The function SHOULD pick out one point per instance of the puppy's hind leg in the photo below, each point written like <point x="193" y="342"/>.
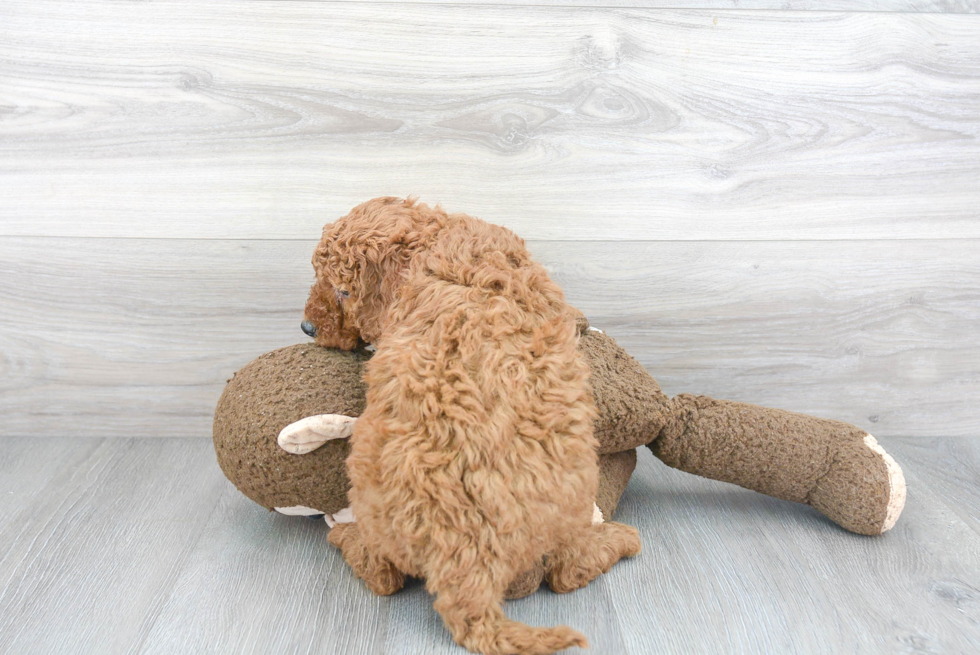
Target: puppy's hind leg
<point x="589" y="553"/>
<point x="378" y="574"/>
<point x="470" y="598"/>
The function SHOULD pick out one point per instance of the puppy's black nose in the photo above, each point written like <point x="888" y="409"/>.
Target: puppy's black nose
<point x="309" y="328"/>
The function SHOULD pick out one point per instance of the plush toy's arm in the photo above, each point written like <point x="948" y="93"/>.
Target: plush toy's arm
<point x="837" y="468"/>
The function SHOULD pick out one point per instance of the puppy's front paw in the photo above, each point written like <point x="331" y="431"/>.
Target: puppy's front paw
<point x="378" y="574"/>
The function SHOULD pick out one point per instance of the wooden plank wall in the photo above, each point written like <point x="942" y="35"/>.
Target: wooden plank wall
<point x="780" y="207"/>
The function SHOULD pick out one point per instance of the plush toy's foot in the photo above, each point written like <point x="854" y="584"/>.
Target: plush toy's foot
<point x="863" y="490"/>
<point x="308" y="434"/>
<point x="525" y="583"/>
<point x="378" y="574"/>
<point x="590" y="554"/>
<point x="299" y="510"/>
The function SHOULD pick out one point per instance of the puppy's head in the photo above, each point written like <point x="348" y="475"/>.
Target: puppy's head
<point x="324" y="320"/>
<point x="359" y="263"/>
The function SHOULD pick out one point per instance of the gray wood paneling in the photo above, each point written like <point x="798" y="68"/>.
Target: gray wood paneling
<point x="141" y="546"/>
<point x="129" y="337"/>
<point x="254" y="120"/>
<point x="882" y="335"/>
<point x="925" y="6"/>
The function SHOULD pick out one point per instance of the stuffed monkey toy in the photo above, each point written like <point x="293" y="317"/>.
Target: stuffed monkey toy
<point x="281" y="425"/>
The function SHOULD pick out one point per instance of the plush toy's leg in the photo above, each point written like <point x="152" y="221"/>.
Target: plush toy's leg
<point x="590" y="554"/>
<point x="378" y="574"/>
<point x="837" y="468"/>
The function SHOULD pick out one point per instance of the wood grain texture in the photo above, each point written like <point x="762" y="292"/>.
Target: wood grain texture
<point x="264" y="583"/>
<point x="128" y="337"/>
<point x="925" y="6"/>
<point x="726" y="570"/>
<point x="258" y="582"/>
<point x="881" y="335"/>
<point x="951" y="468"/>
<point x="262" y="119"/>
<point x="141" y="546"/>
<point x="91" y="549"/>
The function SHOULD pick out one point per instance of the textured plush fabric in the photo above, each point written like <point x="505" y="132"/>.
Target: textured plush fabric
<point x="615" y="470"/>
<point x="792" y="456"/>
<point x="632" y="408"/>
<point x="291" y="383"/>
<point x="828" y="464"/>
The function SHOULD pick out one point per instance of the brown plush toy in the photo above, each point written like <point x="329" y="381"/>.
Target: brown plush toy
<point x="281" y="424"/>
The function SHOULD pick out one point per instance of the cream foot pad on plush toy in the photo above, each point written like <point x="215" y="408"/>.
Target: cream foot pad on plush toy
<point x="896" y="484"/>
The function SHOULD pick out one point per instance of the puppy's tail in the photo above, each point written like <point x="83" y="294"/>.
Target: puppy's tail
<point x="475" y="618"/>
<point x="492" y="633"/>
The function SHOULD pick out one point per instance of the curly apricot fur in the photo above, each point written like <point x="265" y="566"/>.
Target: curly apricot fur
<point x="474" y="457"/>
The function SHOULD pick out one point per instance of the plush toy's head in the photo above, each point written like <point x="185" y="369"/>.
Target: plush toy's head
<point x="268" y="394"/>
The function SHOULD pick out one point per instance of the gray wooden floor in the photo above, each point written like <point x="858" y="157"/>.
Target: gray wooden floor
<point x="141" y="546"/>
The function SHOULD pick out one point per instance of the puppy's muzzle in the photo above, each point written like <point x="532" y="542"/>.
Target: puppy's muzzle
<point x="308" y="328"/>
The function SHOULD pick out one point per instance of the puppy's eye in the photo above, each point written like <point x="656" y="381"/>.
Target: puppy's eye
<point x="345" y="293"/>
<point x="341" y="294"/>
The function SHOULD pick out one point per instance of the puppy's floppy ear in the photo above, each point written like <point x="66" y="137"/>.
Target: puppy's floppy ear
<point x="344" y="253"/>
<point x="375" y="254"/>
<point x="371" y="247"/>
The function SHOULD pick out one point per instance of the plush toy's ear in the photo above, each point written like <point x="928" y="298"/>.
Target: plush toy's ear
<point x="308" y="434"/>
